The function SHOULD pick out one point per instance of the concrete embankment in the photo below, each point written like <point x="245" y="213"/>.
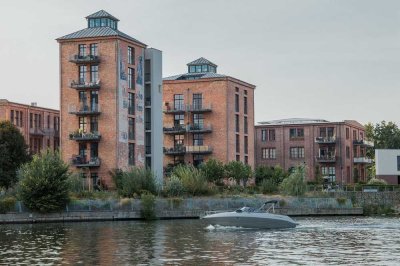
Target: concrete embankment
<point x="130" y="209"/>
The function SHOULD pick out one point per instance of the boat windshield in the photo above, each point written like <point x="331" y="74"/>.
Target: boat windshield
<point x="246" y="209"/>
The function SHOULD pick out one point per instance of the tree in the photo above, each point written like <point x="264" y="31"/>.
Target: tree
<point x="14" y="152"/>
<point x="385" y="135"/>
<point x="213" y="170"/>
<point x="238" y="171"/>
<point x="274" y="173"/>
<point x="43" y="184"/>
<point x="295" y="184"/>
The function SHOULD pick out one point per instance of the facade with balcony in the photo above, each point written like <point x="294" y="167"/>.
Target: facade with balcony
<point x="108" y="106"/>
<point x="206" y="115"/>
<point x="334" y="150"/>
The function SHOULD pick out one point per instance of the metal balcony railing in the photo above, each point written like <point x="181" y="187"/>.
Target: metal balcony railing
<point x="85" y="59"/>
<point x="81" y="161"/>
<point x="199" y="128"/>
<point x="199" y="108"/>
<point x="363" y="142"/>
<point x="81" y="85"/>
<point x="174" y="129"/>
<point x="199" y="149"/>
<point x="326" y="158"/>
<point x="37" y="131"/>
<point x="181" y="108"/>
<point x="325" y="140"/>
<point x="178" y="150"/>
<point x="84" y="109"/>
<point x="363" y="160"/>
<point x="83" y="136"/>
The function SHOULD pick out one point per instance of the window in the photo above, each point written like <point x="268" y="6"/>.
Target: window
<point x="94" y="74"/>
<point x="30" y="120"/>
<point x="131" y="103"/>
<point x="178" y="102"/>
<point x="82" y="50"/>
<point x="131" y="55"/>
<point x="12" y="117"/>
<point x="238" y="157"/>
<point x="236" y="89"/>
<point x="237" y="143"/>
<point x="179" y="120"/>
<point x="245" y="105"/>
<point x="237" y="127"/>
<point x="204" y="68"/>
<point x="197" y="159"/>
<point x="131" y="154"/>
<point x="268" y="153"/>
<point x="82" y="124"/>
<point x="39" y="120"/>
<point x="347" y="152"/>
<point x="82" y="74"/>
<point x="56" y="123"/>
<point x="236" y="102"/>
<point x="94" y="150"/>
<point x="48" y="121"/>
<point x="83" y="150"/>
<point x="131" y="128"/>
<point x="213" y="69"/>
<point x="197" y="139"/>
<point x="398" y="163"/>
<point x="94" y="124"/>
<point x="355" y="153"/>
<point x="246" y="144"/>
<point x="93" y="49"/>
<point x="296" y="133"/>
<point x="131" y="78"/>
<point x="179" y="141"/>
<point x="354" y="134"/>
<point x="21" y="114"/>
<point x="263" y="135"/>
<point x="296" y="152"/>
<point x="198" y="121"/>
<point x="347" y="133"/>
<point x="329" y="132"/>
<point x="197" y="101"/>
<point x="246" y="159"/>
<point x="198" y="69"/>
<point x="361" y="135"/>
<point x="192" y="69"/>
<point x="245" y="125"/>
<point x="271" y="134"/>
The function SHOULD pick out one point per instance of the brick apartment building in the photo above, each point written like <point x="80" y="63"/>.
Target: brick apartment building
<point x="111" y="98"/>
<point x="40" y="126"/>
<point x="207" y="114"/>
<point x="337" y="150"/>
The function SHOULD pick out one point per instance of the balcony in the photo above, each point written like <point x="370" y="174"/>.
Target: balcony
<point x="174" y="129"/>
<point x="178" y="150"/>
<point x="84" y="110"/>
<point x="81" y="136"/>
<point x="199" y="149"/>
<point x="325" y="140"/>
<point x="326" y="159"/>
<point x="85" y="59"/>
<point x="196" y="128"/>
<point x="84" y="85"/>
<point x="179" y="109"/>
<point x="81" y="162"/>
<point x="200" y="108"/>
<point x="363" y="160"/>
<point x="363" y="142"/>
<point x="37" y="131"/>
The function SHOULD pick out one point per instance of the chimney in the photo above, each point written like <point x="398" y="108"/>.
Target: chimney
<point x="33" y="103"/>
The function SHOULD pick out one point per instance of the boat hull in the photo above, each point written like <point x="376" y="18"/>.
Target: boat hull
<point x="251" y="220"/>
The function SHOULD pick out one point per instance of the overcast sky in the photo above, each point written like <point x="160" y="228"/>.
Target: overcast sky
<point x="325" y="59"/>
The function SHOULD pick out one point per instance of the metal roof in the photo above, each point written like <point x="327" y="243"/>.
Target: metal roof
<point x="98" y="32"/>
<point x="294" y="121"/>
<point x="201" y="61"/>
<point x="186" y="76"/>
<point x="102" y="14"/>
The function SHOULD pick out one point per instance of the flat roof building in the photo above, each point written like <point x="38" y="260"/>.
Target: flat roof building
<point x="387" y="164"/>
<point x="40" y="126"/>
<point x="206" y="115"/>
<point x="333" y="150"/>
<point x="111" y="98"/>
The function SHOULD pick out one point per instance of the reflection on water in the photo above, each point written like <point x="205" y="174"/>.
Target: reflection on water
<point x="316" y="241"/>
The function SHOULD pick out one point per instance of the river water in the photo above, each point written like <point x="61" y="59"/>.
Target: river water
<point x="316" y="241"/>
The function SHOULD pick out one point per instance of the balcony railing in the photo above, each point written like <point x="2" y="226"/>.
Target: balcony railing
<point x="82" y="136"/>
<point x="325" y="140"/>
<point x="199" y="149"/>
<point x="363" y="142"/>
<point x="80" y="161"/>
<point x="175" y="109"/>
<point x="85" y="59"/>
<point x="37" y="131"/>
<point x="199" y="108"/>
<point x="81" y="85"/>
<point x="178" y="150"/>
<point x="84" y="110"/>
<point x="326" y="159"/>
<point x="196" y="128"/>
<point x="362" y="160"/>
<point x="174" y="129"/>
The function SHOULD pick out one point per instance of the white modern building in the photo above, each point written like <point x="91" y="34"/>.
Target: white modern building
<point x="387" y="164"/>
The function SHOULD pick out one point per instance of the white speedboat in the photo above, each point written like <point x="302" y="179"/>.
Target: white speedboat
<point x="252" y="218"/>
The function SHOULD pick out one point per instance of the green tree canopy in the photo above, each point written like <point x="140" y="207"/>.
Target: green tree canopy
<point x="13" y="153"/>
<point x="386" y="135"/>
<point x="213" y="170"/>
<point x="238" y="171"/>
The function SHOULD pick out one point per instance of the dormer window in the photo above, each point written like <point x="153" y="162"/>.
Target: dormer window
<point x="102" y="22"/>
<point x="202" y="65"/>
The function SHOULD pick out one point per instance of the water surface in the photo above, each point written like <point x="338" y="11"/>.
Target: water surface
<point x="316" y="241"/>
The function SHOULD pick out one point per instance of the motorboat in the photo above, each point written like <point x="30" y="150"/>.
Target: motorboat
<point x="248" y="217"/>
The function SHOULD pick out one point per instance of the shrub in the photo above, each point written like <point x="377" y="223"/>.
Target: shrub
<point x="117" y="176"/>
<point x="192" y="179"/>
<point x="7" y="204"/>
<point x="238" y="171"/>
<point x="277" y="174"/>
<point x="135" y="181"/>
<point x="148" y="206"/>
<point x="377" y="182"/>
<point x="43" y="185"/>
<point x="268" y="186"/>
<point x="341" y="201"/>
<point x="75" y="183"/>
<point x="213" y="170"/>
<point x="295" y="184"/>
<point x="174" y="187"/>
